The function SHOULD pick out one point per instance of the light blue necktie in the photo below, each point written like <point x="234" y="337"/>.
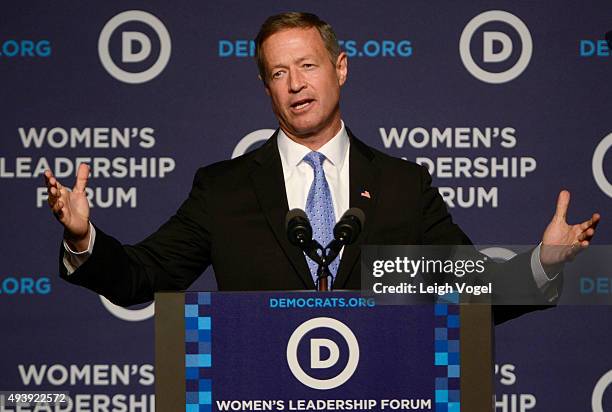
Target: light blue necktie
<point x="320" y="211"/>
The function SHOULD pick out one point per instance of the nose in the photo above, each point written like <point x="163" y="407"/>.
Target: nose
<point x="296" y="81"/>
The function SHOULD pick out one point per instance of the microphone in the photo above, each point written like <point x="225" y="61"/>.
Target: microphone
<point x="346" y="231"/>
<point x="299" y="233"/>
<point x="349" y="226"/>
<point x="298" y="228"/>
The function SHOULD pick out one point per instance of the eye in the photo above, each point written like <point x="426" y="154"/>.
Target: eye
<point x="277" y="74"/>
<point x="308" y="65"/>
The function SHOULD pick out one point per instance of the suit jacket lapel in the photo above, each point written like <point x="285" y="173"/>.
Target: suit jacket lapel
<point x="364" y="191"/>
<point x="269" y="186"/>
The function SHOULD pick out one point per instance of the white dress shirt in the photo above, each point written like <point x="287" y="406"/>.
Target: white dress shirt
<point x="299" y="174"/>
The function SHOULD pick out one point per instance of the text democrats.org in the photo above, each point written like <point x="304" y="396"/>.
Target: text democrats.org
<point x="331" y="302"/>
<point x="353" y="48"/>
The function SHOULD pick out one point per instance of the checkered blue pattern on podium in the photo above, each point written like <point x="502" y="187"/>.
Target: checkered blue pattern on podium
<point x="446" y="360"/>
<point x="198" y="352"/>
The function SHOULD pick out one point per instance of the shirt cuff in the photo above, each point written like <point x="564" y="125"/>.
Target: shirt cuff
<point x="72" y="260"/>
<point x="544" y="282"/>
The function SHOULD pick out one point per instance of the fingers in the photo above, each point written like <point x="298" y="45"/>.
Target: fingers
<point x="586" y="235"/>
<point x="562" y="205"/>
<point x="57" y="208"/>
<point x="48" y="175"/>
<point x="50" y="180"/>
<point x="596" y="218"/>
<point x="81" y="180"/>
<point x="592" y="222"/>
<point x="55" y="191"/>
<point x="52" y="189"/>
<point x="54" y="198"/>
<point x="587" y="229"/>
<point x="587" y="224"/>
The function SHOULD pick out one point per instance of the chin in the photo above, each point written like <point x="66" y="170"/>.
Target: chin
<point x="303" y="129"/>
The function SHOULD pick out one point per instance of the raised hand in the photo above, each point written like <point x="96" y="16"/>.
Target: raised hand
<point x="71" y="208"/>
<point x="561" y="242"/>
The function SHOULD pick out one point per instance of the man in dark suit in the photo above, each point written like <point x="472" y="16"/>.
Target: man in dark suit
<point x="234" y="215"/>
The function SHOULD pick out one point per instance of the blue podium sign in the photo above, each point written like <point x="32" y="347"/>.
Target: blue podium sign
<point x="317" y="352"/>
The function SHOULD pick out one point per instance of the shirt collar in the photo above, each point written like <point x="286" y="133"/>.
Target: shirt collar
<point x="292" y="153"/>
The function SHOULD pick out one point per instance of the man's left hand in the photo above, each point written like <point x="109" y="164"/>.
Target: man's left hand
<point x="561" y="242"/>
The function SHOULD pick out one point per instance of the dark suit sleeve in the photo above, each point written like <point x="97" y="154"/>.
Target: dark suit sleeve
<point x="169" y="259"/>
<point x="513" y="278"/>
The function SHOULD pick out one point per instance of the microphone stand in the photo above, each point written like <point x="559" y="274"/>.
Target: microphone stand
<point x="327" y="255"/>
<point x="349" y="224"/>
<point x="316" y="252"/>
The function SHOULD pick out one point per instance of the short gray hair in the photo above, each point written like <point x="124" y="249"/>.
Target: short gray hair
<point x="293" y="20"/>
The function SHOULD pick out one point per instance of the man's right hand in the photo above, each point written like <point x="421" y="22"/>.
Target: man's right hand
<point x="71" y="208"/>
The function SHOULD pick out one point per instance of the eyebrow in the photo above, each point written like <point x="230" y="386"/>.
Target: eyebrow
<point x="301" y="59"/>
<point x="298" y="61"/>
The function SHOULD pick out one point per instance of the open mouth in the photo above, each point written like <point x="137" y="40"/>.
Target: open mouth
<point x="302" y="104"/>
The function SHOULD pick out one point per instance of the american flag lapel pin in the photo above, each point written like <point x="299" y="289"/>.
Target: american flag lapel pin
<point x="366" y="194"/>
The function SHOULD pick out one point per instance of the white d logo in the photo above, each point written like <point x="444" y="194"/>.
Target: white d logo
<point x="129" y="40"/>
<point x="489" y="55"/>
<point x="598" y="162"/>
<point x="315" y="353"/>
<point x="598" y="392"/>
<point x="250" y="139"/>
<point x="131" y="315"/>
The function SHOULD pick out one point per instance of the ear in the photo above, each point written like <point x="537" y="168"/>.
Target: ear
<point x="342" y="68"/>
<point x="265" y="84"/>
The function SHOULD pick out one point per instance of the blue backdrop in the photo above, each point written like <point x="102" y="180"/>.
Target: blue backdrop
<point x="506" y="103"/>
